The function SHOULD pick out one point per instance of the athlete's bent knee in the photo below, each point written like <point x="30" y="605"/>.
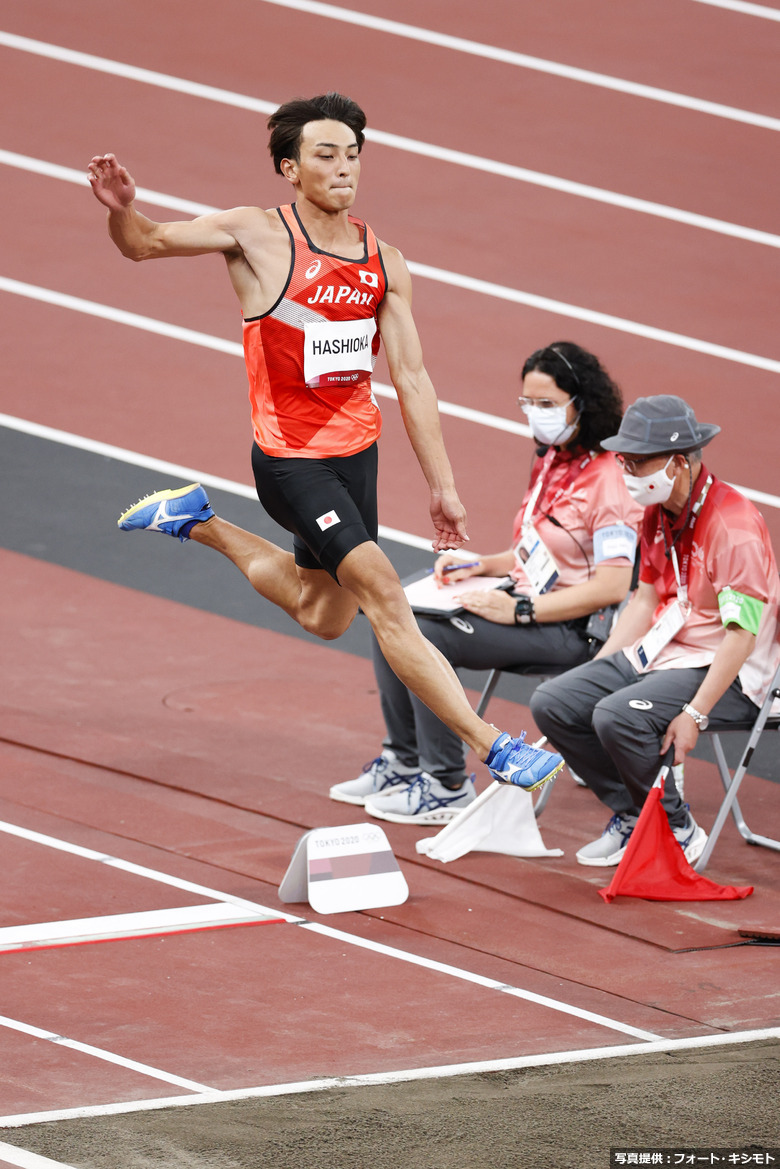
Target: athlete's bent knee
<point x="326" y="626"/>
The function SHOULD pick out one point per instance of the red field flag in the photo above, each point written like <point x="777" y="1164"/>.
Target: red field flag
<point x="654" y="866"/>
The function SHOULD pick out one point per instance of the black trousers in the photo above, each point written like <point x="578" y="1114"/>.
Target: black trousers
<point x="414" y="732"/>
<point x="608" y="722"/>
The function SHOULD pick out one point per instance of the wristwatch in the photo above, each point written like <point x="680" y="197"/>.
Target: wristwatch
<point x="524" y="611"/>
<point x="701" y="720"/>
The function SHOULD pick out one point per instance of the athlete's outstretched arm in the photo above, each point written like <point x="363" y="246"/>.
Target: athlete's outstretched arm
<point x="417" y="399"/>
<point x="140" y="238"/>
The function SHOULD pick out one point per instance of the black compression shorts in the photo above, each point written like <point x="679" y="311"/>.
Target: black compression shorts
<point x="329" y="505"/>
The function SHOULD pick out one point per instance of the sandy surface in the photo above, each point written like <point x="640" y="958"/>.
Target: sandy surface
<point x="562" y="1117"/>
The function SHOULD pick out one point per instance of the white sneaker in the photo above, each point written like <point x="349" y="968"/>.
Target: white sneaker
<point x="611" y="845"/>
<point x="691" y="839"/>
<point x="423" y="801"/>
<point x="382" y="776"/>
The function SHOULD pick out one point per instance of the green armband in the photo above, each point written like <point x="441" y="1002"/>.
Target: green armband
<point x="739" y="609"/>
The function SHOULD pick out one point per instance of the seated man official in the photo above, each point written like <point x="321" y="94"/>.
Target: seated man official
<point x="698" y="638"/>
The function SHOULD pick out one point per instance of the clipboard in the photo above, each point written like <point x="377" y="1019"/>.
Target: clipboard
<point x="426" y="598"/>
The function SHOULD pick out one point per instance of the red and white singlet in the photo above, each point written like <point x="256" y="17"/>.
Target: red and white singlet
<point x="309" y="358"/>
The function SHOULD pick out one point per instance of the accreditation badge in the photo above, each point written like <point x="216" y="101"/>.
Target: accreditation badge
<point x="666" y="627"/>
<point x="536" y="561"/>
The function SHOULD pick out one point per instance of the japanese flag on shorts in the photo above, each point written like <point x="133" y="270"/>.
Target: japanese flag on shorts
<point x="328" y="520"/>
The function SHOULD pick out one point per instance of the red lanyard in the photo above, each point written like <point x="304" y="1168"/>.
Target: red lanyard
<point x="685" y="537"/>
<point x="576" y="468"/>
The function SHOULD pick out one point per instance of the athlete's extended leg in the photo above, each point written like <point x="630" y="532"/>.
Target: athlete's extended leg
<point x="368" y="573"/>
<point x="314" y="599"/>
<point x="310" y="596"/>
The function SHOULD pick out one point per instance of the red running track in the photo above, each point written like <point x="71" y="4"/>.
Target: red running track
<point x="136" y="732"/>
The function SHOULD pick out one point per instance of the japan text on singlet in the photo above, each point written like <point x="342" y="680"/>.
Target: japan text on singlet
<point x="310" y="357"/>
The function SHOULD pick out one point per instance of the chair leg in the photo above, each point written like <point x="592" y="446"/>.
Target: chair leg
<point x="723" y="769"/>
<point x="730" y="803"/>
<point x="487" y="693"/>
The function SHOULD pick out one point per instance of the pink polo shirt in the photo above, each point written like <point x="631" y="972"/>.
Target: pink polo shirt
<point x="594" y="519"/>
<point x="732" y="577"/>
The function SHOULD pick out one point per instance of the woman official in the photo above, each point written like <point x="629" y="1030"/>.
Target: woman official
<point x="572" y="554"/>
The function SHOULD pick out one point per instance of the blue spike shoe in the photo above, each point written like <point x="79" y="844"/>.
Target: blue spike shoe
<point x="514" y="761"/>
<point x="173" y="512"/>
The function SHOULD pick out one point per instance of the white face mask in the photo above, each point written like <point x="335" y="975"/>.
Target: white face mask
<point x="549" y="426"/>
<point x="650" y="489"/>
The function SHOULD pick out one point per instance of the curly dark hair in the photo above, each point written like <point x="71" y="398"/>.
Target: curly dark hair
<point x="286" y="124"/>
<point x="581" y="375"/>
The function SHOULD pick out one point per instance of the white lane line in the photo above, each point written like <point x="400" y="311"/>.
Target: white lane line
<point x="605" y="320"/>
<point x="744" y="8"/>
<point x="191" y="474"/>
<point x="479" y="980"/>
<point x="524" y="61"/>
<point x="188" y="474"/>
<point x="579" y="190"/>
<point x="487" y="166"/>
<point x="68" y="174"/>
<point x="260" y="106"/>
<point x="99" y="1053"/>
<point x="479" y="417"/>
<point x="20" y="1157"/>
<point x="334" y="934"/>
<point x="116" y="926"/>
<point x="141" y="870"/>
<point x="458" y="158"/>
<point x="233" y="348"/>
<point x="445" y="1071"/>
<point x="442" y="276"/>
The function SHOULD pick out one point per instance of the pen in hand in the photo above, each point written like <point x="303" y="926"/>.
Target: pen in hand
<point x="456" y="567"/>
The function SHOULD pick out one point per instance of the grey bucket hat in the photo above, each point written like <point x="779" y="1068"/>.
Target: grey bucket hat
<point x="653" y="426"/>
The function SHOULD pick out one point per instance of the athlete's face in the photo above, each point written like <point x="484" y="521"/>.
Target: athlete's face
<point x="328" y="170"/>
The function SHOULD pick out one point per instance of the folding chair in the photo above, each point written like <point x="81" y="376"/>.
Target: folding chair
<point x="764" y="721"/>
<point x="731" y="783"/>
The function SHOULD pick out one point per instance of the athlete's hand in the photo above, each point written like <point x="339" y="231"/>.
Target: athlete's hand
<point x="111" y="183"/>
<point x="449" y="521"/>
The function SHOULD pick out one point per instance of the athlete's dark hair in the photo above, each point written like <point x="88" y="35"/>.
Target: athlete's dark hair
<point x="582" y="376"/>
<point x="286" y="124"/>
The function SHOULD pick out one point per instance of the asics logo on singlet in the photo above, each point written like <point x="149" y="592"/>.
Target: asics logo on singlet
<point x="161" y="516"/>
<point x="313" y="269"/>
